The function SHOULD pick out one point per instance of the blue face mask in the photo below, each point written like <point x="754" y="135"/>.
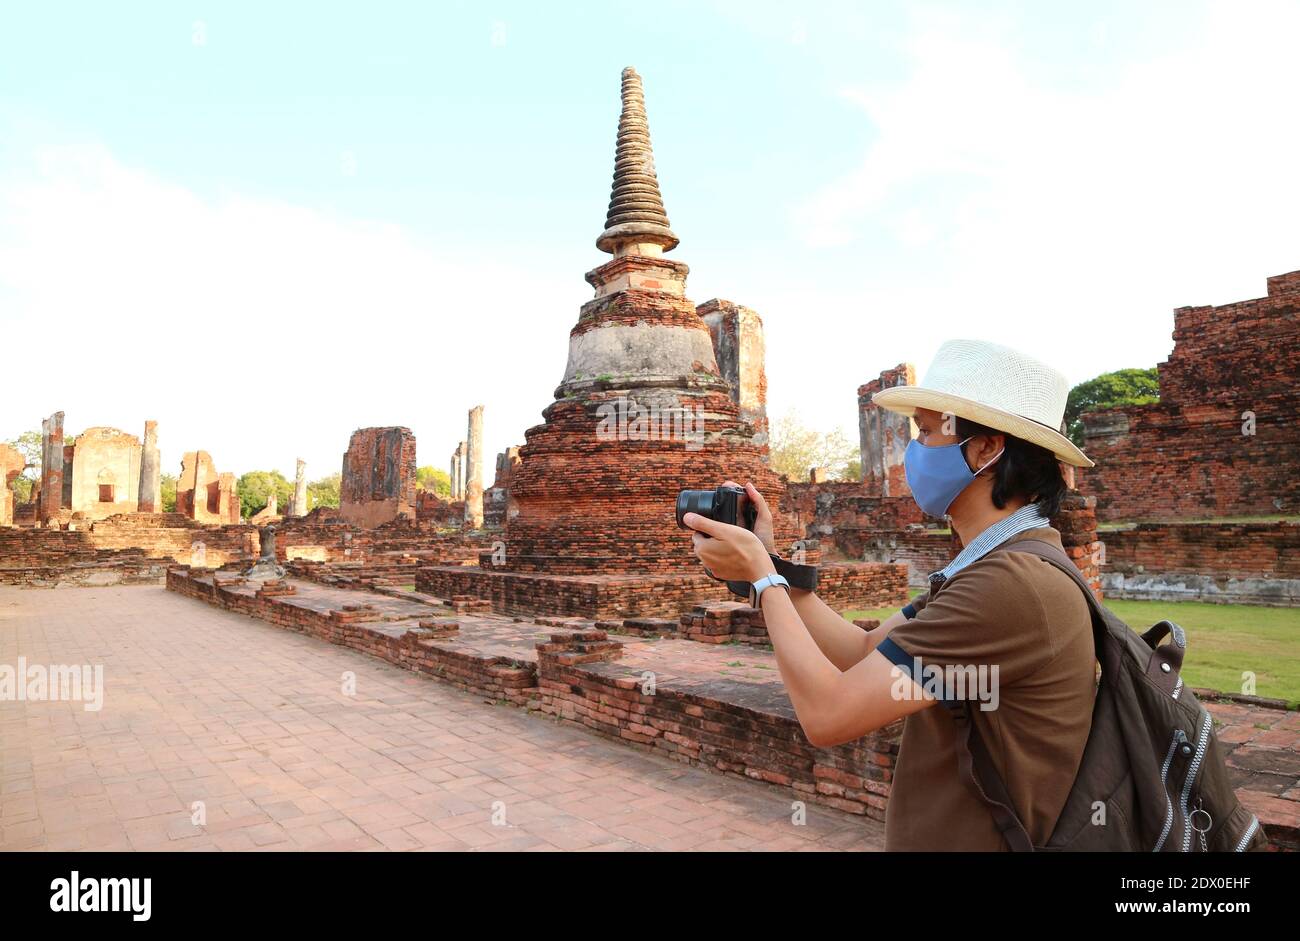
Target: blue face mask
<point x="938" y="474"/>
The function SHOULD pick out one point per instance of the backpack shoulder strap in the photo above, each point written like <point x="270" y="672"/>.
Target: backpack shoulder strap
<point x="974" y="762"/>
<point x="1053" y="554"/>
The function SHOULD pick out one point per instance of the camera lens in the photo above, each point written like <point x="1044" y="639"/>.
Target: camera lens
<point x="694" y="501"/>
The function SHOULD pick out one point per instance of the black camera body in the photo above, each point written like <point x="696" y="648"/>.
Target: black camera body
<point x="723" y="505"/>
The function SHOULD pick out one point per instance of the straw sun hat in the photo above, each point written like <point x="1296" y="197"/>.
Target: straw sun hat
<point x="994" y="386"/>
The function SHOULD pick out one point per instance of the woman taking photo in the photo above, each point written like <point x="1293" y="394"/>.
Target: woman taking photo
<point x="988" y="456"/>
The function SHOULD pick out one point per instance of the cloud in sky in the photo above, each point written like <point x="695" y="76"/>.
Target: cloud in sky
<point x="1071" y="210"/>
<point x="1055" y="180"/>
<point x="255" y="329"/>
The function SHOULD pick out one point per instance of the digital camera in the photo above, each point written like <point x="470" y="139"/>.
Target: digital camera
<point x="723" y="505"/>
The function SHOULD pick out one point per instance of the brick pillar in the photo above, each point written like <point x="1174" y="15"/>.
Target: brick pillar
<point x="1077" y="524"/>
<point x="455" y="473"/>
<point x="150" y="498"/>
<point x="738" y="346"/>
<point x="883" y="436"/>
<point x="300" y="489"/>
<point x="474" y="470"/>
<point x="51" y="466"/>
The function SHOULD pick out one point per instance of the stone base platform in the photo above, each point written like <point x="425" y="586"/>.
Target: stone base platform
<point x="841" y="585"/>
<point x="718" y="706"/>
<point x="715" y="706"/>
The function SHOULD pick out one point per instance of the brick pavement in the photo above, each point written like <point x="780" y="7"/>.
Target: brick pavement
<point x="207" y="705"/>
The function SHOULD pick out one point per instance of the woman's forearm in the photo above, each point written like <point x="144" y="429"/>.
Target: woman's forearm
<point x="843" y="644"/>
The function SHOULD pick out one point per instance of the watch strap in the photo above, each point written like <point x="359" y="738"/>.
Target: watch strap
<point x="766" y="582"/>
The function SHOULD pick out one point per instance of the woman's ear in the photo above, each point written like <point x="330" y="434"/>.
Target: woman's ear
<point x="986" y="448"/>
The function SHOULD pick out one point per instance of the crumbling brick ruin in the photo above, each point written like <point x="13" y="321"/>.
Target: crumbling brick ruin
<point x="497" y="505"/>
<point x="1223" y="439"/>
<point x="204" y="495"/>
<point x="884" y="435"/>
<point x="379" y="477"/>
<point x="12" y="463"/>
<point x="95" y="475"/>
<point x="104" y="473"/>
<point x="642" y="412"/>
<point x="737" y="336"/>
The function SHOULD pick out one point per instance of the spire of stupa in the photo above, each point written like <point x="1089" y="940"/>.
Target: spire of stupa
<point x="636" y="209"/>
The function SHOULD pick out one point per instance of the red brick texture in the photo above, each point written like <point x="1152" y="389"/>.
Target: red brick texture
<point x="379" y="476"/>
<point x="1233" y="370"/>
<point x="1222" y="550"/>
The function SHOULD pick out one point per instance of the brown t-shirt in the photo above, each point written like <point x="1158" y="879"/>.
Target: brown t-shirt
<point x="1018" y="612"/>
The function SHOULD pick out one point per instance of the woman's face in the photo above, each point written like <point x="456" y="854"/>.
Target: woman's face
<point x="934" y="428"/>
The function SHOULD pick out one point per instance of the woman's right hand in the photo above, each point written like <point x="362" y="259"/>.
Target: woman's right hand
<point x="763" y="518"/>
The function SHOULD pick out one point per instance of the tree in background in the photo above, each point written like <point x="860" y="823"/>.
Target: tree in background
<point x="1109" y="390"/>
<point x="28" y="444"/>
<point x="255" y="489"/>
<point x="324" y="492"/>
<point x="796" y="448"/>
<point x="167" y="486"/>
<point x="432" y="478"/>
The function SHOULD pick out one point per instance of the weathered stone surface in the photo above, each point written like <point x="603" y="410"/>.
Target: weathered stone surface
<point x="884" y="435"/>
<point x="498" y="506"/>
<point x="1223" y="440"/>
<point x="204" y="495"/>
<point x="12" y="463"/>
<point x="51" y="467"/>
<point x="300" y="490"/>
<point x="739" y="347"/>
<point x="636" y="221"/>
<point x="474" y="470"/>
<point x="379" y="476"/>
<point x="150" y="490"/>
<point x="105" y="472"/>
<point x="641" y="413"/>
<point x="266" y="566"/>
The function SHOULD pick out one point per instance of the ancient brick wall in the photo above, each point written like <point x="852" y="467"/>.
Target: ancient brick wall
<point x="104" y="475"/>
<point x="836" y="512"/>
<point x="203" y="494"/>
<point x="884" y="435"/>
<point x="49" y="556"/>
<point x="740" y="350"/>
<point x="12" y="464"/>
<point x="431" y="508"/>
<point x="1223" y="440"/>
<point x="1270" y="550"/>
<point x="379" y="476"/>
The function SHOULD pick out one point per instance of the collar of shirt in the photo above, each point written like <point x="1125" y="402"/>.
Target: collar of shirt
<point x="1026" y="518"/>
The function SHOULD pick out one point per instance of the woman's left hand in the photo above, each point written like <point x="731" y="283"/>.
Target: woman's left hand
<point x="731" y="553"/>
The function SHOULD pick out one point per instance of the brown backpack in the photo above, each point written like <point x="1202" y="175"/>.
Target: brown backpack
<point x="1152" y="761"/>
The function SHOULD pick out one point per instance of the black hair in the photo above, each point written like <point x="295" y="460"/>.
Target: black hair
<point x="1023" y="470"/>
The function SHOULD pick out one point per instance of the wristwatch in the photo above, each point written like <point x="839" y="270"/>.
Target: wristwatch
<point x="763" y="584"/>
<point x="793" y="574"/>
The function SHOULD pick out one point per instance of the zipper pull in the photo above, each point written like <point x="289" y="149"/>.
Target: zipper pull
<point x="1206" y="819"/>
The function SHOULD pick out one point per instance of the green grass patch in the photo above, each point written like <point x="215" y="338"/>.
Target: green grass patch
<point x="1113" y="525"/>
<point x="1223" y="642"/>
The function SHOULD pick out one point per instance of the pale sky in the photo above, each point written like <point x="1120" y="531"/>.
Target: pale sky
<point x="268" y="225"/>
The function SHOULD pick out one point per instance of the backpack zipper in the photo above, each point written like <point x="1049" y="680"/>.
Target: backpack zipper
<point x="1202" y="740"/>
<point x="1245" y="837"/>
<point x="1180" y="737"/>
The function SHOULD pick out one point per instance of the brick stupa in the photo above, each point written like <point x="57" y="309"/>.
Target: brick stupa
<point x="641" y="413"/>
